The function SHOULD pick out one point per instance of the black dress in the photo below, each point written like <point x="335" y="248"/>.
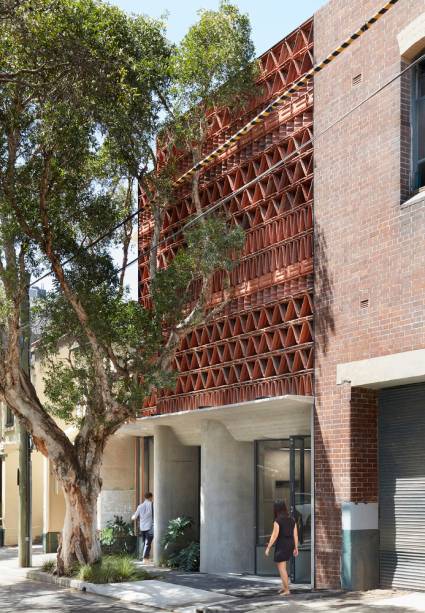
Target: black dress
<point x="285" y="544"/>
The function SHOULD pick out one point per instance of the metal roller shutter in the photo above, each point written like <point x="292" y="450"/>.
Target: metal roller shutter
<point x="402" y="487"/>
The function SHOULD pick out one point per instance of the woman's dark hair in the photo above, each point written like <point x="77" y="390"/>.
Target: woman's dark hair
<point x="280" y="510"/>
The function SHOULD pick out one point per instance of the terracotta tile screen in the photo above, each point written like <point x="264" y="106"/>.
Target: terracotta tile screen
<point x="261" y="345"/>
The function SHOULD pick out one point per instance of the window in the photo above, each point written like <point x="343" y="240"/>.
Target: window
<point x="419" y="125"/>
<point x="10" y="418"/>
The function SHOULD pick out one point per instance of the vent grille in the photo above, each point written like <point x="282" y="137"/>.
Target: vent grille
<point x="357" y="79"/>
<point x="364" y="304"/>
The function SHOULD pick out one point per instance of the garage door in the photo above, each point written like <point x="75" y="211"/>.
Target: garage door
<point x="402" y="487"/>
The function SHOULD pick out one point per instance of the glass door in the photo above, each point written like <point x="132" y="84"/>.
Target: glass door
<point x="272" y="484"/>
<point x="300" y="505"/>
<point x="283" y="473"/>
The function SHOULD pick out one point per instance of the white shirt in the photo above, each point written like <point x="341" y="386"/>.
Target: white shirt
<point x="145" y="513"/>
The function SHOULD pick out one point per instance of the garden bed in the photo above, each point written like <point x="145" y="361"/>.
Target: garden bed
<point x="111" y="569"/>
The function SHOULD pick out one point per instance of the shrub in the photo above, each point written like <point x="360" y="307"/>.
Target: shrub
<point x="48" y="566"/>
<point x="176" y="531"/>
<point x="178" y="552"/>
<point x="186" y="559"/>
<point x="112" y="569"/>
<point x="118" y="536"/>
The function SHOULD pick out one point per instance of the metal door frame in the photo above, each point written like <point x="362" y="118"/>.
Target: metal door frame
<point x="292" y="480"/>
<point x="291" y="448"/>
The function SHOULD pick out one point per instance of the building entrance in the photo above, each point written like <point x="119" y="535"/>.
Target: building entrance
<point x="283" y="472"/>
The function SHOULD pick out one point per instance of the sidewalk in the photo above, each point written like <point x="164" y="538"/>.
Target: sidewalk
<point x="180" y="592"/>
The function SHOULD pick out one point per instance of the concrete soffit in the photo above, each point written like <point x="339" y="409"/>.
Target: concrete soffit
<point x="384" y="371"/>
<point x="266" y="418"/>
<point x="411" y="39"/>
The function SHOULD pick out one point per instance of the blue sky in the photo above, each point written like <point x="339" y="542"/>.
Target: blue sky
<point x="271" y="20"/>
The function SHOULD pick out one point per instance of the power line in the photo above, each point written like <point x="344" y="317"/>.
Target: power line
<point x="93" y="243"/>
<point x="277" y="102"/>
<point x="270" y="170"/>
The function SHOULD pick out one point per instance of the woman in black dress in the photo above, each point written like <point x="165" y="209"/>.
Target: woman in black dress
<point x="285" y="539"/>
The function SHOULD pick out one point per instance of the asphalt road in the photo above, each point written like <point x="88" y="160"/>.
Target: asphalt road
<point x="31" y="596"/>
<point x="18" y="594"/>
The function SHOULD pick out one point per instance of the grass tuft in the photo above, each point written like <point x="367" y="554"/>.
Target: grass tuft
<point x="48" y="566"/>
<point x="112" y="569"/>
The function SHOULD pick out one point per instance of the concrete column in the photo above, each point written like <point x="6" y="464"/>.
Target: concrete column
<point x="176" y="483"/>
<point x="227" y="502"/>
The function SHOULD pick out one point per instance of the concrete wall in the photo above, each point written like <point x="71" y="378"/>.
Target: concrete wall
<point x="118" y="496"/>
<point x="227" y="502"/>
<point x="369" y="250"/>
<point x="176" y="478"/>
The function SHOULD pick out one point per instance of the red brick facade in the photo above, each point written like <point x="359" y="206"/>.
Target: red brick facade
<point x="369" y="252"/>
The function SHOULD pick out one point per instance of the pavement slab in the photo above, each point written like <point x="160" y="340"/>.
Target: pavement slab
<point x="20" y="595"/>
<point x="151" y="592"/>
<point x="177" y="592"/>
<point x="35" y="597"/>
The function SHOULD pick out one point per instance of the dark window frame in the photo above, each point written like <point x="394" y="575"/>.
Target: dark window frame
<point x="10" y="418"/>
<point x="418" y="131"/>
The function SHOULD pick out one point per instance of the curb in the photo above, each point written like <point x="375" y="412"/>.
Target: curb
<point x="76" y="584"/>
<point x="93" y="588"/>
<point x="296" y="597"/>
<point x="39" y="575"/>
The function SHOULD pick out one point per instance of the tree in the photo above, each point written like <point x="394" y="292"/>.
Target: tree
<point x="85" y="93"/>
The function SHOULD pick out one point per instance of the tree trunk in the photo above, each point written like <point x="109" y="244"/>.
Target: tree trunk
<point x="80" y="541"/>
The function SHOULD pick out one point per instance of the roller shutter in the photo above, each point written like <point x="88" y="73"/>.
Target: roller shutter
<point x="402" y="487"/>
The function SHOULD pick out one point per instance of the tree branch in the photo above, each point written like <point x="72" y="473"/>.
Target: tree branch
<point x="98" y="351"/>
<point x="20" y="395"/>
<point x="128" y="231"/>
<point x="14" y="77"/>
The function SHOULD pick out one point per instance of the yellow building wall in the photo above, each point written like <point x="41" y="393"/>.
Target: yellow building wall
<point x="10" y="495"/>
<point x="118" y="496"/>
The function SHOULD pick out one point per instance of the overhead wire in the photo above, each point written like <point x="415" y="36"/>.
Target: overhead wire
<point x="235" y="137"/>
<point x="274" y="167"/>
<point x="288" y="92"/>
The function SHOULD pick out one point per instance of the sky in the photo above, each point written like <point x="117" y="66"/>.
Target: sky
<point x="271" y="20"/>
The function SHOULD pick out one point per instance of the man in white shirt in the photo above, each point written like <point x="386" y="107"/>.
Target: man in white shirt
<point x="145" y="514"/>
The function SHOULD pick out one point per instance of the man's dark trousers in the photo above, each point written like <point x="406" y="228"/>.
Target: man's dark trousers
<point x="147" y="538"/>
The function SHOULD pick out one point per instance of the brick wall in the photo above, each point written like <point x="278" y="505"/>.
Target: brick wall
<point x="369" y="252"/>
